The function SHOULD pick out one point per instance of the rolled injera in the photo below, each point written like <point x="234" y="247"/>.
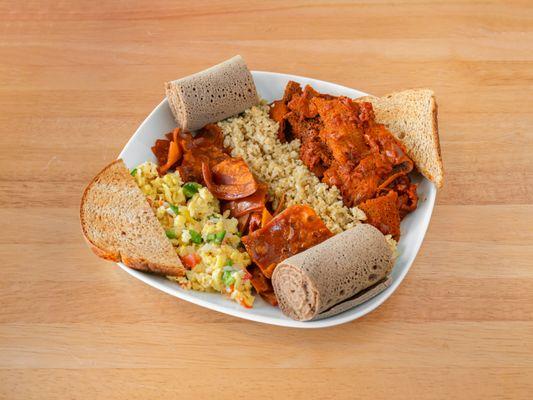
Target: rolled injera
<point x="325" y="279"/>
<point x="212" y="95"/>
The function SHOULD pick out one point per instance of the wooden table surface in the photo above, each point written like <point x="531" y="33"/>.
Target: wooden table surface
<point x="77" y="79"/>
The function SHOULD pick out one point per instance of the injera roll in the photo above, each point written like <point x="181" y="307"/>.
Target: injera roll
<point x="212" y="95"/>
<point x="314" y="283"/>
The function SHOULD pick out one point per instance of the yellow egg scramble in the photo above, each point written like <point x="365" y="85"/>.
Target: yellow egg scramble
<point x="207" y="241"/>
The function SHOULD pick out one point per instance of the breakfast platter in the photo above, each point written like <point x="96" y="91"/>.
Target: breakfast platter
<point x="270" y="197"/>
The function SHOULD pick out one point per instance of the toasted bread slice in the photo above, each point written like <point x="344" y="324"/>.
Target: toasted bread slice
<point x="119" y="224"/>
<point x="411" y="115"/>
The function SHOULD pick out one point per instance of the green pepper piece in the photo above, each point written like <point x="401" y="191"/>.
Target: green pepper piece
<point x="227" y="277"/>
<point x="229" y="262"/>
<point x="210" y="237"/>
<point x="190" y="188"/>
<point x="133" y="172"/>
<point x="219" y="237"/>
<point x="175" y="209"/>
<point x="170" y="234"/>
<point x="195" y="236"/>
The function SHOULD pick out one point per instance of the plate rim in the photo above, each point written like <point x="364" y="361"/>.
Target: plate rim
<point x="247" y="314"/>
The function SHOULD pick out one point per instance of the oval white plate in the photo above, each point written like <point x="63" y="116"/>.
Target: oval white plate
<point x="270" y="87"/>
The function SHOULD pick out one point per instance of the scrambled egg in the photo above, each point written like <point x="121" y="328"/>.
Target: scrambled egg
<point x="207" y="241"/>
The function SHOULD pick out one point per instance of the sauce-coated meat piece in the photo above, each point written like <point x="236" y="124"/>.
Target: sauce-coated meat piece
<point x="303" y="105"/>
<point x="245" y="205"/>
<point x="279" y="110"/>
<point x="207" y="146"/>
<point x="314" y="153"/>
<point x="316" y="156"/>
<point x="343" y="131"/>
<point x="262" y="285"/>
<point x="230" y="179"/>
<point x="294" y="230"/>
<point x="382" y="212"/>
<point x="407" y="197"/>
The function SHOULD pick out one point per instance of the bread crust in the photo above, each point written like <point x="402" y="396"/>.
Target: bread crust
<point x="105" y="254"/>
<point x="147" y="266"/>
<point x="102" y="253"/>
<point x="439" y="180"/>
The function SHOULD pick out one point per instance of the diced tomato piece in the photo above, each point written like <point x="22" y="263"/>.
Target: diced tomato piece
<point x="190" y="260"/>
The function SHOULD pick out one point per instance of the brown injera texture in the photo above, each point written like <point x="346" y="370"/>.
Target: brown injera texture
<point x="317" y="280"/>
<point x="212" y="95"/>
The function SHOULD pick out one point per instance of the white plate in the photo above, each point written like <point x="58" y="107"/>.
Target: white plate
<point x="270" y="87"/>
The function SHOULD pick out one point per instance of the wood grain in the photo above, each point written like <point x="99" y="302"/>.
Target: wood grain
<point x="77" y="78"/>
